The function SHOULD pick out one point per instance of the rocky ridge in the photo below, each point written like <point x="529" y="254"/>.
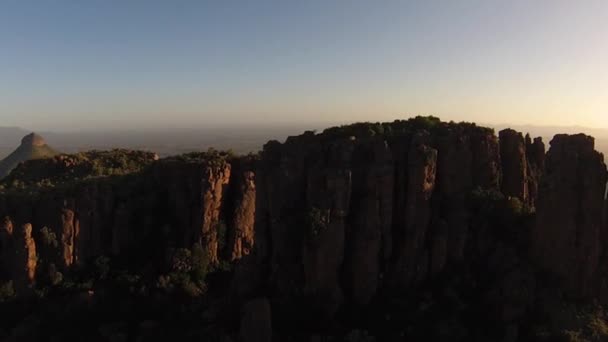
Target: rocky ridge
<point x="333" y="226"/>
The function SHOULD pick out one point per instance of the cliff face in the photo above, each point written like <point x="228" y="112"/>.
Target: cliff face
<point x="341" y="219"/>
<point x="569" y="234"/>
<point x="514" y="164"/>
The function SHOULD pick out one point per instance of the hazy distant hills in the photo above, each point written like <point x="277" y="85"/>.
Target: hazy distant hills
<point x="33" y="146"/>
<point x="9" y="139"/>
<point x="239" y="139"/>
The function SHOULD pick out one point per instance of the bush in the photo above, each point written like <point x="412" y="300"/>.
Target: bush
<point x="317" y="221"/>
<point x="102" y="267"/>
<point x="55" y="276"/>
<point x="7" y="291"/>
<point x="200" y="264"/>
<point x="181" y="261"/>
<point x="575" y="323"/>
<point x="189" y="268"/>
<point x="49" y="238"/>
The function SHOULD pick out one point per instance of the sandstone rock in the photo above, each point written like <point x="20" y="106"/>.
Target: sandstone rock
<point x="242" y="237"/>
<point x="535" y="154"/>
<point x="454" y="184"/>
<point x="486" y="160"/>
<point x="567" y="238"/>
<point x="195" y="191"/>
<point x="514" y="164"/>
<point x="25" y="259"/>
<point x="214" y="180"/>
<point x="421" y="173"/>
<point x="370" y="219"/>
<point x="68" y="235"/>
<point x="333" y="221"/>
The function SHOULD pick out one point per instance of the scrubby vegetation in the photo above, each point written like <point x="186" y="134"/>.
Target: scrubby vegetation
<point x="210" y="157"/>
<point x="71" y="168"/>
<point x="430" y="124"/>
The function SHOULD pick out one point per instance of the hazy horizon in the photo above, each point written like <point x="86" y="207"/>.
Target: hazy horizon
<point x="240" y="139"/>
<point x="114" y="65"/>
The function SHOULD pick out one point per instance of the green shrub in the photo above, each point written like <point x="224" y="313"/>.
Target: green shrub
<point x="181" y="261"/>
<point x="7" y="291"/>
<point x="200" y="264"/>
<point x="189" y="268"/>
<point x="49" y="238"/>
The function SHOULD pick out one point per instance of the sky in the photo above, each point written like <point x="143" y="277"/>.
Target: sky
<point x="110" y="64"/>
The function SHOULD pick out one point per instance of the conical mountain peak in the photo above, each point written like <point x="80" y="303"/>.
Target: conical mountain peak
<point x="33" y="139"/>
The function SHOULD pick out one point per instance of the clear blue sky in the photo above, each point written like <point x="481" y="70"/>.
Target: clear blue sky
<point x="176" y="63"/>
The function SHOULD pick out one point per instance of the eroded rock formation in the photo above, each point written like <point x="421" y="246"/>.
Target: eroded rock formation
<point x="514" y="164"/>
<point x="342" y="219"/>
<point x="568" y="237"/>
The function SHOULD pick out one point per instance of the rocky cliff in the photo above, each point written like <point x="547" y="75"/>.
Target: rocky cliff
<point x="339" y="225"/>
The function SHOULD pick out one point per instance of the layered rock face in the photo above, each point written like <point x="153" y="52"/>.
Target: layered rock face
<point x="352" y="214"/>
<point x="570" y="231"/>
<point x="523" y="164"/>
<point x="172" y="204"/>
<point x="535" y="154"/>
<point x="19" y="257"/>
<point x="342" y="219"/>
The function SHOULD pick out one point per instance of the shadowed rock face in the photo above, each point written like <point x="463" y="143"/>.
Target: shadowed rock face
<point x="514" y="164"/>
<point x="523" y="164"/>
<point x="568" y="236"/>
<point x="19" y="258"/>
<point x="535" y="154"/>
<point x="345" y="218"/>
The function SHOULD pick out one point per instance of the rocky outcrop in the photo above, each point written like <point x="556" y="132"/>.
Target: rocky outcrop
<point x="340" y="221"/>
<point x="535" y="154"/>
<point x="369" y="237"/>
<point x="214" y="181"/>
<point x="18" y="252"/>
<point x="486" y="159"/>
<point x="25" y="248"/>
<point x="242" y="232"/>
<point x="69" y="234"/>
<point x="194" y="191"/>
<point x="568" y="236"/>
<point x="514" y="164"/>
<point x="411" y="253"/>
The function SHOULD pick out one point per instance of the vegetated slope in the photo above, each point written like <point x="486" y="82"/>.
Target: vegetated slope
<point x="416" y="230"/>
<point x="32" y="146"/>
<point x="62" y="169"/>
